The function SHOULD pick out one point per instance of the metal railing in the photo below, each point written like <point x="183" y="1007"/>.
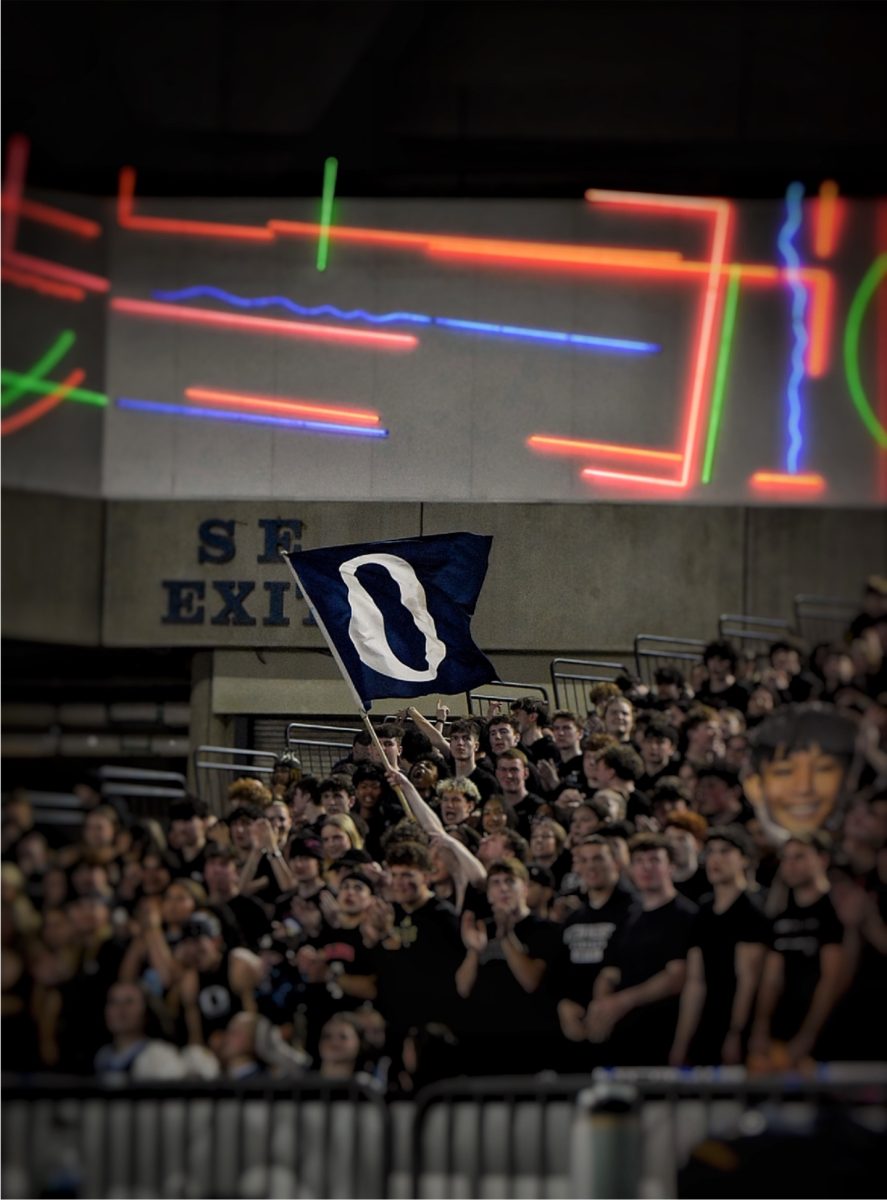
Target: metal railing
<point x="215" y="767"/>
<point x="319" y="746"/>
<point x="571" y="687"/>
<point x="823" y="618"/>
<point x="147" y="793"/>
<point x="481" y="701"/>
<point x="652" y="651"/>
<point x="614" y="1133"/>
<point x="754" y="635"/>
<point x="307" y="1137"/>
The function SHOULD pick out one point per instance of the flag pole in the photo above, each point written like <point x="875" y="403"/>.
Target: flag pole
<point x="364" y="715"/>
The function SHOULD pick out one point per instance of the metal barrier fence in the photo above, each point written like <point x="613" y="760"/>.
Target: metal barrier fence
<point x="571" y="687"/>
<point x="319" y="746"/>
<point x="652" y="652"/>
<point x="147" y="793"/>
<point x="753" y="634"/>
<point x="214" y="771"/>
<point x="308" y="1137"/>
<point x="480" y="702"/>
<point x="614" y="1133"/>
<point x="823" y="618"/>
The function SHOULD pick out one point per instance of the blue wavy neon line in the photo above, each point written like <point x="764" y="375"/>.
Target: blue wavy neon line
<point x="793" y="218"/>
<point x="519" y="332"/>
<point x="321" y="310"/>
<point x="182" y="410"/>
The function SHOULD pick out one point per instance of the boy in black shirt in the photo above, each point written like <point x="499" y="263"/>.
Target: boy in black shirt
<point x="804" y="970"/>
<point x="507" y="1021"/>
<point x="728" y="945"/>
<point x="587" y="932"/>
<point x="635" y="1004"/>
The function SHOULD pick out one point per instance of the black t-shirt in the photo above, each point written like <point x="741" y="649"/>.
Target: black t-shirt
<point x="179" y="868"/>
<point x="543" y="747"/>
<point x="498" y="1004"/>
<point x="244" y="921"/>
<point x="344" y="950"/>
<point x="485" y="782"/>
<point x="527" y="810"/>
<point x="717" y="935"/>
<point x="642" y="946"/>
<point x="735" y="696"/>
<point x="799" y="933"/>
<point x="695" y="887"/>
<point x="417" y="978"/>
<point x="585" y="935"/>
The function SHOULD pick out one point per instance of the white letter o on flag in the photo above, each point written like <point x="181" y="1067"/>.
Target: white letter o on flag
<point x="367" y="625"/>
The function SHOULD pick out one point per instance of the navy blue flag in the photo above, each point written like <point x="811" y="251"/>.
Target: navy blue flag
<point x="397" y="614"/>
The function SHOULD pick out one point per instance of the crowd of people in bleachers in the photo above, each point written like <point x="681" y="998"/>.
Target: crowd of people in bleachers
<point x="689" y="873"/>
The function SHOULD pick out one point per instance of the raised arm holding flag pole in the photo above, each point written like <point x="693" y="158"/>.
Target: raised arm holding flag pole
<point x="396" y="615"/>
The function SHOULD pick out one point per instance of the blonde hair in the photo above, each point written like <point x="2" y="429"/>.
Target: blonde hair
<point x="344" y="822"/>
<point x="460" y="784"/>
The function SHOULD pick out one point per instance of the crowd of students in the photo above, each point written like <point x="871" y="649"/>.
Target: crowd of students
<point x="689" y="873"/>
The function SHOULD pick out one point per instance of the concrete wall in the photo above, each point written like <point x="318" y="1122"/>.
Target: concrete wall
<point x="563" y="579"/>
<point x="52" y="568"/>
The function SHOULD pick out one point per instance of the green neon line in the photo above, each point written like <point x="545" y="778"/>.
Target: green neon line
<point x="720" y="388"/>
<point x="42" y="367"/>
<point x="330" y="167"/>
<point x="43" y="387"/>
<point x="852" y="330"/>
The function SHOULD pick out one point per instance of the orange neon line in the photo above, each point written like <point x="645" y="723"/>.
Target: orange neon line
<point x="46" y="287"/>
<point x="43" y="266"/>
<point x="625" y="477"/>
<point x="46" y="214"/>
<point x="350" y="233"/>
<point x="13" y="187"/>
<point x="558" y="445"/>
<point x="776" y="479"/>
<point x="649" y="200"/>
<point x="495" y="248"/>
<point x="221" y="320"/>
<point x="723" y="223"/>
<point x="129" y="220"/>
<point x="716" y="269"/>
<point x="298" y="408"/>
<point x="34" y="412"/>
<point x="825" y="233"/>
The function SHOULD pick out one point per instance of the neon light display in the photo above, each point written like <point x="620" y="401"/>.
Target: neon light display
<point x="297" y="329"/>
<point x="42" y="388"/>
<point x="43" y="266"/>
<point x="40" y="408"/>
<point x="793" y="218"/>
<point x="667" y="414"/>
<point x="861" y="300"/>
<point x="42" y="367"/>
<point x="13" y="188"/>
<point x="775" y="481"/>
<point x="573" y="446"/>
<point x="721" y="213"/>
<point x="282" y="406"/>
<point x="46" y="214"/>
<point x="129" y="220"/>
<point x="45" y="287"/>
<point x="825" y="229"/>
<point x="249" y="418"/>
<point x="717" y="401"/>
<point x="520" y="332"/>
<point x="330" y="167"/>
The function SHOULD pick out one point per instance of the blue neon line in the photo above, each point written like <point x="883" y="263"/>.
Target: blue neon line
<point x="321" y="310"/>
<point x="518" y="332"/>
<point x="550" y="335"/>
<point x="793" y="218"/>
<point x="182" y="410"/>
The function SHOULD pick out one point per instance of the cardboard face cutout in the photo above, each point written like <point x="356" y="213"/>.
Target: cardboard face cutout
<point x="802" y="756"/>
